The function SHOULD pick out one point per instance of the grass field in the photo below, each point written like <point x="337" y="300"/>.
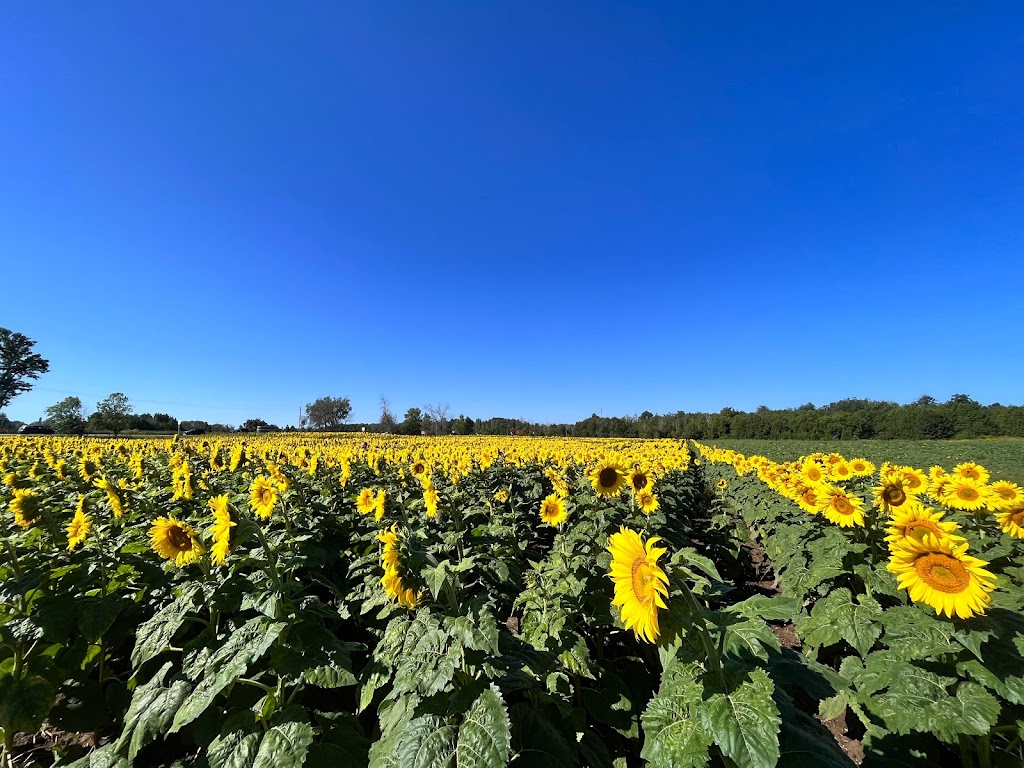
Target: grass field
<point x="1002" y="456"/>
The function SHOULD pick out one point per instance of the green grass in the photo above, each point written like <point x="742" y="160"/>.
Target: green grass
<point x="1002" y="456"/>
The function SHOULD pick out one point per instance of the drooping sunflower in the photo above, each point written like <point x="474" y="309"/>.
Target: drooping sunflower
<point x="843" y="508"/>
<point x="647" y="501"/>
<point x="963" y="493"/>
<point x="940" y="573"/>
<point x="113" y="495"/>
<point x="1012" y="521"/>
<point x="263" y="496"/>
<point x="80" y="525"/>
<point x="365" y="501"/>
<point x="24" y="505"/>
<point x="558" y="483"/>
<point x="552" y="510"/>
<point x="175" y="540"/>
<point x="968" y="470"/>
<point x="430" y="500"/>
<point x="379" y="505"/>
<point x="915" y="521"/>
<point x="395" y="579"/>
<point x="640" y="480"/>
<point x="608" y="478"/>
<point x="220" y="531"/>
<point x="641" y="586"/>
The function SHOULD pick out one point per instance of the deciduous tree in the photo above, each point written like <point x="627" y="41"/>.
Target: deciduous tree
<point x="114" y="412"/>
<point x="67" y="416"/>
<point x="328" y="412"/>
<point x="18" y="364"/>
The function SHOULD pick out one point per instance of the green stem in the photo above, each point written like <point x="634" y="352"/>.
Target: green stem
<point x="966" y="753"/>
<point x="254" y="683"/>
<point x="271" y="559"/>
<point x="714" y="659"/>
<point x="984" y="745"/>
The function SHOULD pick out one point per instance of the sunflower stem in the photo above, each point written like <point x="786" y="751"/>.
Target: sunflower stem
<point x="714" y="659"/>
<point x="271" y="559"/>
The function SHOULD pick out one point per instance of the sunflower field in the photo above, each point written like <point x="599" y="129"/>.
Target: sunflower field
<point x="351" y="600"/>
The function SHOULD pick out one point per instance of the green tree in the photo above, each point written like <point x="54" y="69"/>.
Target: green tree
<point x="413" y="422"/>
<point x="18" y="364"/>
<point x="328" y="413"/>
<point x="67" y="416"/>
<point x="387" y="419"/>
<point x="114" y="412"/>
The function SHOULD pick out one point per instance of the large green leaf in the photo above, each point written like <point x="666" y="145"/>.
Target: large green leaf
<point x="230" y="661"/>
<point x="430" y="665"/>
<point x="24" y="702"/>
<point x="673" y="734"/>
<point x="152" y="710"/>
<point x="837" y="617"/>
<point x="745" y="722"/>
<point x="918" y="701"/>
<point x="242" y="744"/>
<point x="485" y="733"/>
<point x="779" y="608"/>
<point x="477" y="630"/>
<point x="154" y="636"/>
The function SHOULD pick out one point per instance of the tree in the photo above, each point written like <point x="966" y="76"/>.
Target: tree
<point x="328" y="412"/>
<point x="387" y="419"/>
<point x="438" y="416"/>
<point x="114" y="412"/>
<point x="18" y="363"/>
<point x="413" y="422"/>
<point x="249" y="425"/>
<point x="67" y="416"/>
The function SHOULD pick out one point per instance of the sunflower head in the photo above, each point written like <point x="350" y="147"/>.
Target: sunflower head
<point x="892" y="493"/>
<point x="397" y="581"/>
<point x="608" y="478"/>
<point x="640" y="480"/>
<point x="647" y="501"/>
<point x="365" y="500"/>
<point x="722" y="484"/>
<point x="968" y="470"/>
<point x="24" y="505"/>
<point x="641" y="586"/>
<point x="552" y="510"/>
<point x="963" y="493"/>
<point x="80" y="525"/>
<point x="940" y="573"/>
<point x="839" y="506"/>
<point x="263" y="496"/>
<point x="175" y="540"/>
<point x="220" y="531"/>
<point x="915" y="521"/>
<point x="1012" y="521"/>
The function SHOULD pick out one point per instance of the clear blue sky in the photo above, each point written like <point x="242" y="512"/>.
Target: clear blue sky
<point x="528" y="209"/>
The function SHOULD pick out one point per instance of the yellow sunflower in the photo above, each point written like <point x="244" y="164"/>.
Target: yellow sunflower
<point x="940" y="573"/>
<point x="812" y="472"/>
<point x="840" y="471"/>
<point x="1005" y="495"/>
<point x="916" y="481"/>
<point x="558" y="483"/>
<point x="647" y="501"/>
<point x="722" y="484"/>
<point x="914" y="521"/>
<point x="608" y="478"/>
<point x="968" y="470"/>
<point x="808" y="500"/>
<point x="892" y="493"/>
<point x="552" y="510"/>
<point x="88" y="468"/>
<point x="365" y="501"/>
<point x="641" y="586"/>
<point x="395" y="587"/>
<point x="220" y="531"/>
<point x="379" y="505"/>
<point x="963" y="493"/>
<point x="263" y="496"/>
<point x="862" y="467"/>
<point x="80" y="525"/>
<point x="24" y="505"/>
<point x="430" y="500"/>
<point x="113" y="495"/>
<point x="1012" y="521"/>
<point x="640" y="480"/>
<point x="501" y="496"/>
<point x="842" y="508"/>
<point x="175" y="540"/>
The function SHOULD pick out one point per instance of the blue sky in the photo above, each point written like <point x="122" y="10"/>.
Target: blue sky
<point x="530" y="209"/>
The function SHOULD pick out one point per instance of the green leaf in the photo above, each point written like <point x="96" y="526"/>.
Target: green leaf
<point x="242" y="744"/>
<point x="430" y="665"/>
<point x="918" y="701"/>
<point x="673" y="734"/>
<point x="836" y="617"/>
<point x="98" y="614"/>
<point x="24" y="702"/>
<point x="536" y="740"/>
<point x="342" y="746"/>
<point x="485" y="733"/>
<point x="478" y="630"/>
<point x="435" y="577"/>
<point x="153" y="636"/>
<point x="152" y="710"/>
<point x="745" y="722"/>
<point x="284" y="746"/>
<point x="230" y="661"/>
<point x="779" y="608"/>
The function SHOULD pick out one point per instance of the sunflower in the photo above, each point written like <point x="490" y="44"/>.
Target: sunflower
<point x="263" y="496"/>
<point x="418" y="468"/>
<point x="1005" y="495"/>
<point x="364" y="503"/>
<point x="861" y="467"/>
<point x="968" y="470"/>
<point x="916" y="480"/>
<point x="722" y="484"/>
<point x="501" y="495"/>
<point x="1012" y="521"/>
<point x="80" y="525"/>
<point x="608" y="478"/>
<point x="395" y="586"/>
<point x="914" y="521"/>
<point x="940" y="573"/>
<point x="842" y="508"/>
<point x="963" y="493"/>
<point x="558" y="483"/>
<point x="88" y="468"/>
<point x="379" y="505"/>
<point x="640" y="480"/>
<point x="175" y="540"/>
<point x="221" y="529"/>
<point x="430" y="500"/>
<point x="840" y="471"/>
<point x="808" y="500"/>
<point x="647" y="501"/>
<point x="641" y="586"/>
<point x="552" y="510"/>
<point x="892" y="493"/>
<point x="812" y="472"/>
<point x="24" y="504"/>
<point x="113" y="495"/>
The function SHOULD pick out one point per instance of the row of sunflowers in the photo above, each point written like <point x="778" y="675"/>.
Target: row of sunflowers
<point x="379" y="601"/>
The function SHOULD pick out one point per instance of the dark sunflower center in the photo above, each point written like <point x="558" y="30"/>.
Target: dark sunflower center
<point x="179" y="539"/>
<point x="607" y="477"/>
<point x="942" y="572"/>
<point x="894" y="495"/>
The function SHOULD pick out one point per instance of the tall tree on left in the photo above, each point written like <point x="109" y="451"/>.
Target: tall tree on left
<point x="18" y="364"/>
